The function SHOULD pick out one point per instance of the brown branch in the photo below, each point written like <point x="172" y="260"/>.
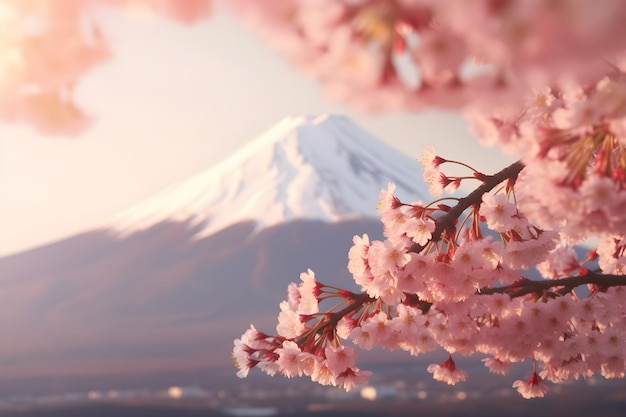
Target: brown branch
<point x="330" y="319"/>
<point x="528" y="286"/>
<point x="517" y="289"/>
<point x="449" y="219"/>
<point x="358" y="301"/>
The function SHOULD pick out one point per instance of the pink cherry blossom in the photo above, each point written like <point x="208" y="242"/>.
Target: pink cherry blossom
<point x="289" y="324"/>
<point x="47" y="50"/>
<point x="352" y="377"/>
<point x="532" y="388"/>
<point x="241" y="357"/>
<point x="499" y="212"/>
<point x="612" y="254"/>
<point x="447" y="372"/>
<point x="323" y="375"/>
<point x="358" y="264"/>
<point x="289" y="359"/>
<point x="377" y="330"/>
<point x="420" y="230"/>
<point x="561" y="261"/>
<point x="303" y="298"/>
<point x="338" y="359"/>
<point x="363" y="338"/>
<point x="497" y="366"/>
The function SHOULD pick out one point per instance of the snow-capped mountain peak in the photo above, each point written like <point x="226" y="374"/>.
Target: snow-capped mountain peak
<point x="305" y="167"/>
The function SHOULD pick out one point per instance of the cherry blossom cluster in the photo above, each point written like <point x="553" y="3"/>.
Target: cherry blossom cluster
<point x="453" y="275"/>
<point x="374" y="54"/>
<point x="385" y="54"/>
<point x="46" y="48"/>
<point x="306" y="342"/>
<point x="572" y="140"/>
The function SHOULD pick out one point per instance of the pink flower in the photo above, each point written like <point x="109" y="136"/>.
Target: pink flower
<point x="289" y="324"/>
<point x="447" y="372"/>
<point x="378" y="327"/>
<point x="533" y="388"/>
<point x="611" y="250"/>
<point x="270" y="367"/>
<point x="408" y="323"/>
<point x="421" y="230"/>
<point x="293" y="295"/>
<point x="308" y="363"/>
<point x="306" y="301"/>
<point x="352" y="377"/>
<point x="358" y="264"/>
<point x="561" y="262"/>
<point x="345" y="326"/>
<point x="599" y="192"/>
<point x="387" y="201"/>
<point x="498" y="212"/>
<point x="289" y="359"/>
<point x="363" y="338"/>
<point x="523" y="254"/>
<point x="429" y="159"/>
<point x="241" y="357"/>
<point x="386" y="256"/>
<point x="252" y="349"/>
<point x="436" y="181"/>
<point x="497" y="366"/>
<point x="340" y="358"/>
<point x="309" y="284"/>
<point x="479" y="254"/>
<point x="323" y="375"/>
<point x="256" y="339"/>
<point x="411" y="278"/>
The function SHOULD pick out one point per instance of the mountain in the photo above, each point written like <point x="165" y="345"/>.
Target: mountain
<point x="317" y="168"/>
<point x="168" y="284"/>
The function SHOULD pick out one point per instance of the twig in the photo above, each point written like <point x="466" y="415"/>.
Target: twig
<point x="448" y="220"/>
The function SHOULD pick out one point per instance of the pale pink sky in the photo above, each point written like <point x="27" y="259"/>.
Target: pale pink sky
<point x="172" y="102"/>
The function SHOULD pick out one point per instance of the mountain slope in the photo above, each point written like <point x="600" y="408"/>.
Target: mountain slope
<point x="171" y="282"/>
<point x="156" y="299"/>
<point x="319" y="168"/>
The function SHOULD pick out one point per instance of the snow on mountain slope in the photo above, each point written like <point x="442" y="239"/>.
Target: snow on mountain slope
<point x="305" y="167"/>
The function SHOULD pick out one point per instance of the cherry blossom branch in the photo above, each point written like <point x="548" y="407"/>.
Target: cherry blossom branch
<point x="517" y="289"/>
<point x="358" y="301"/>
<point x="330" y="320"/>
<point x="527" y="286"/>
<point x="489" y="182"/>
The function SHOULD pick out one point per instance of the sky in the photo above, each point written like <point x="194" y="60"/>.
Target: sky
<point x="174" y="101"/>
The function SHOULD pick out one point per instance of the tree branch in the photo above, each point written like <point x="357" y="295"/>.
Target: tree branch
<point x="448" y="220"/>
<point x="517" y="289"/>
<point x="527" y="286"/>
